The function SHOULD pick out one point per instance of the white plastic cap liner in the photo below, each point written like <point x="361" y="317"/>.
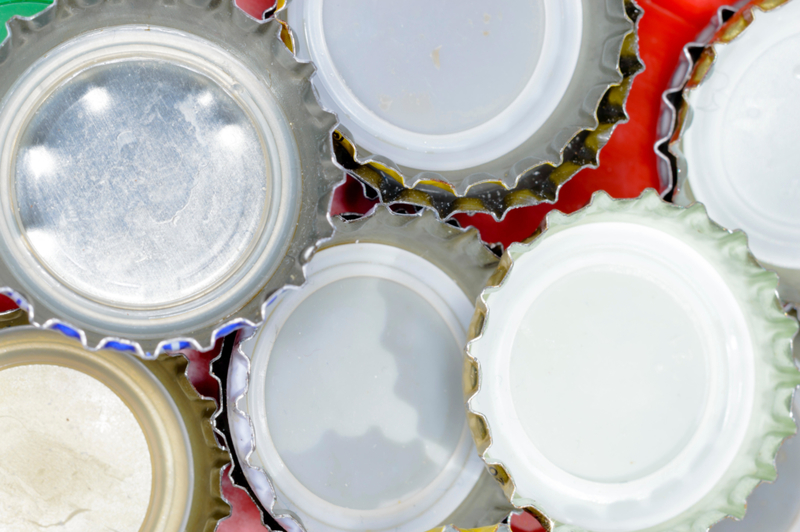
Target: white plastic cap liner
<point x="71" y="441"/>
<point x="350" y="398"/>
<point x="497" y="103"/>
<point x="629" y="366"/>
<point x="737" y="143"/>
<point x="355" y="393"/>
<point x="440" y="85"/>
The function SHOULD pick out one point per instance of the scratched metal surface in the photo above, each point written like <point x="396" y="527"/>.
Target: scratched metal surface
<point x="118" y="175"/>
<point x="164" y="167"/>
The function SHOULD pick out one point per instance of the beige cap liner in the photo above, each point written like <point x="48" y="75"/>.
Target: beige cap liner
<point x="186" y="472"/>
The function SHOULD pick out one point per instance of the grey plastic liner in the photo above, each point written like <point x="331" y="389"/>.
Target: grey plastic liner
<point x="461" y="255"/>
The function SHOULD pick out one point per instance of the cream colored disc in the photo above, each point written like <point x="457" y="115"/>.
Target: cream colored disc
<point x="73" y="456"/>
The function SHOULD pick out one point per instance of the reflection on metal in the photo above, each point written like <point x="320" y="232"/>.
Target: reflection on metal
<point x="162" y="169"/>
<point x="672" y="99"/>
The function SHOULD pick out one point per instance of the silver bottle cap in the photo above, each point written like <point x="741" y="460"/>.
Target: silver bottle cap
<point x="164" y="166"/>
<point x="468" y="106"/>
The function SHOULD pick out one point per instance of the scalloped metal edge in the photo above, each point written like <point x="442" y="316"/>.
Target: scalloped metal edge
<point x="731" y="499"/>
<point x="209" y="460"/>
<point x="697" y="61"/>
<point x="459" y="252"/>
<point x="197" y="412"/>
<point x="519" y="186"/>
<point x="319" y="182"/>
<point x="671" y="99"/>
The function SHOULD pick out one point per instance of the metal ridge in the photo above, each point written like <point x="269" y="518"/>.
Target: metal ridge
<point x="672" y="98"/>
<point x="729" y="496"/>
<point x="209" y="459"/>
<point x="536" y="178"/>
<point x="425" y="234"/>
<point x="458" y="252"/>
<point x="287" y="78"/>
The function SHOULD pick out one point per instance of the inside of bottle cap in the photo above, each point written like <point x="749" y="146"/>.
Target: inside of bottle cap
<point x="72" y="455"/>
<point x="146" y="168"/>
<point x="440" y="85"/>
<point x="740" y="136"/>
<point x="620" y="366"/>
<point x="118" y="173"/>
<point x="92" y="440"/>
<point x="355" y="393"/>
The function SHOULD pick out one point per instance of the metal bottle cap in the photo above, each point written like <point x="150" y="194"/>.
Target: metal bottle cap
<point x="164" y="165"/>
<point x="738" y="112"/>
<point x="349" y="397"/>
<point x="672" y="99"/>
<point x="631" y="369"/>
<point x="103" y="440"/>
<point x="473" y="107"/>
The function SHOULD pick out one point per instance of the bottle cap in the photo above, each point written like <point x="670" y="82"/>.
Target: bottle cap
<point x="738" y="113"/>
<point x="349" y="397"/>
<point x="469" y="99"/>
<point x="163" y="167"/>
<point x="103" y="440"/>
<point x="672" y="98"/>
<point x="631" y="369"/>
<point x="774" y="506"/>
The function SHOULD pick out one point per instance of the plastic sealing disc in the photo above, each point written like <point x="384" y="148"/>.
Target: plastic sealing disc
<point x="94" y="440"/>
<point x="77" y="446"/>
<point x="739" y="140"/>
<point x="375" y="435"/>
<point x="440" y="85"/>
<point x="617" y="367"/>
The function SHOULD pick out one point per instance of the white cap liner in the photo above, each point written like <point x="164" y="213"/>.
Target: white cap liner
<point x="428" y="503"/>
<point x="474" y="106"/>
<point x="724" y="377"/>
<point x="433" y="66"/>
<point x="735" y="145"/>
<point x="627" y="367"/>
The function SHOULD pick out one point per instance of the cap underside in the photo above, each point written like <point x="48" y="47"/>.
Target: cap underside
<point x="376" y="435"/>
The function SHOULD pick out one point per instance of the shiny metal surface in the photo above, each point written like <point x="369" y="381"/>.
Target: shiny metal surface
<point x="164" y="167"/>
<point x="140" y="182"/>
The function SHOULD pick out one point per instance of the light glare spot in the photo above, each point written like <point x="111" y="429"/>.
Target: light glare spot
<point x="97" y="99"/>
<point x="40" y="161"/>
<point x="205" y="99"/>
<point x="231" y="137"/>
